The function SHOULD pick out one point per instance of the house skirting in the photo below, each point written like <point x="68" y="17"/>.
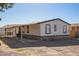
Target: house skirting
<point x="34" y="37"/>
<point x="54" y="37"/>
<point x="46" y="37"/>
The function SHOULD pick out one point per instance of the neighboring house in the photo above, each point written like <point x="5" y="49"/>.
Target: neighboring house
<point x="74" y="30"/>
<point x="54" y="28"/>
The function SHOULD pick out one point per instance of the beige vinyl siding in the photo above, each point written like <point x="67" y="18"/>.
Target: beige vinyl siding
<point x="33" y="30"/>
<point x="59" y="28"/>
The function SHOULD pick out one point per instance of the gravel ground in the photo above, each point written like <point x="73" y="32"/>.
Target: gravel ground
<point x="40" y="48"/>
<point x="50" y="51"/>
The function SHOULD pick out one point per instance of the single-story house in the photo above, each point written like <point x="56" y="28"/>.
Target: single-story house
<point x="49" y="29"/>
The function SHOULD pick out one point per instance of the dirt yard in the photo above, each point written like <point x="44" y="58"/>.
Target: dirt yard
<point x="39" y="48"/>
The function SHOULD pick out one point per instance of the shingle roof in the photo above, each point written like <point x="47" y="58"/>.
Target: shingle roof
<point x="11" y="25"/>
<point x="47" y="21"/>
<point x="75" y="24"/>
<point x="14" y="25"/>
<point x="53" y="20"/>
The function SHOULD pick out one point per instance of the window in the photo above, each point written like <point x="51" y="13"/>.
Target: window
<point x="73" y="28"/>
<point x="27" y="28"/>
<point x="77" y="27"/>
<point x="55" y="28"/>
<point x="48" y="29"/>
<point x="9" y="33"/>
<point x="64" y="29"/>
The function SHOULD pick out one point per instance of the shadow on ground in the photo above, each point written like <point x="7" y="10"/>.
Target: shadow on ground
<point x="12" y="43"/>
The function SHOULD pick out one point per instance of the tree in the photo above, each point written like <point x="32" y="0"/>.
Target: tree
<point x="5" y="6"/>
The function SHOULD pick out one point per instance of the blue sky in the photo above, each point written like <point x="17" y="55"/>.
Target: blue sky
<point x="26" y="13"/>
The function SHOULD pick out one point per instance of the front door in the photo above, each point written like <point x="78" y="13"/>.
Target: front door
<point x="19" y="32"/>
